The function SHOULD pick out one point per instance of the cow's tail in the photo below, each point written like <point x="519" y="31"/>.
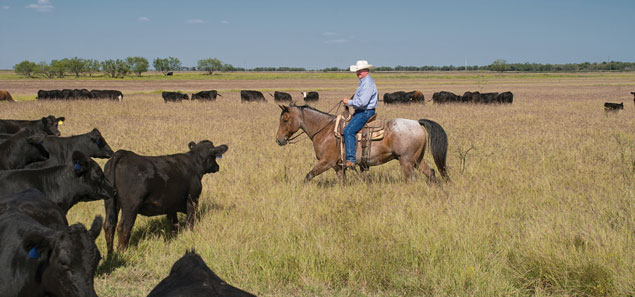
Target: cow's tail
<point x="111" y="205"/>
<point x="270" y="94"/>
<point x="438" y="144"/>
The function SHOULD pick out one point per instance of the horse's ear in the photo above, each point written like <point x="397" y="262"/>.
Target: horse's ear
<point x="284" y="107"/>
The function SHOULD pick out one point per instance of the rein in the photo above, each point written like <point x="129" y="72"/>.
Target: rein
<point x="318" y="131"/>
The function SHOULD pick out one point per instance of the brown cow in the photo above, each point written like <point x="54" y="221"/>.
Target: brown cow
<point x="5" y="96"/>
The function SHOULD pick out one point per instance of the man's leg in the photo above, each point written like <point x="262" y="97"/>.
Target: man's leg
<point x="356" y="124"/>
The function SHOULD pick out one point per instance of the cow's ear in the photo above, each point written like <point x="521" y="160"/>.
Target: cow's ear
<point x="95" y="228"/>
<point x="34" y="244"/>
<point x="81" y="163"/>
<point x="61" y="119"/>
<point x="191" y="145"/>
<point x="95" y="135"/>
<point x="37" y="138"/>
<point x="219" y="150"/>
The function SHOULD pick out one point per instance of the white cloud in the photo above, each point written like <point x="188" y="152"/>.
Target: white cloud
<point x="334" y="41"/>
<point x="41" y="6"/>
<point x="195" y="21"/>
<point x="143" y="19"/>
<point x="329" y="34"/>
<point x="5" y="7"/>
<point x="224" y="22"/>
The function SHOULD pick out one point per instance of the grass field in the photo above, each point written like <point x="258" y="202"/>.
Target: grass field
<point x="541" y="199"/>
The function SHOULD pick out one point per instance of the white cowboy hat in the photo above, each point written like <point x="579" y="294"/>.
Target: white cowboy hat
<point x="361" y="64"/>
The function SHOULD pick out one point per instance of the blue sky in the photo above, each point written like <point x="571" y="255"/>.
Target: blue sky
<point x="319" y="34"/>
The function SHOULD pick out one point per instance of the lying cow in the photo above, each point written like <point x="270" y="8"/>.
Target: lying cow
<point x="206" y="95"/>
<point x="61" y="149"/>
<point x="608" y="106"/>
<point x="156" y="185"/>
<point x="633" y="93"/>
<point x="40" y="254"/>
<point x="415" y="97"/>
<point x="174" y="97"/>
<point x="396" y="97"/>
<point x="281" y="97"/>
<point x="66" y="185"/>
<point x="22" y="149"/>
<point x="445" y="97"/>
<point x="47" y="125"/>
<point x="311" y="96"/>
<point x="5" y="96"/>
<point x="251" y="96"/>
<point x="191" y="277"/>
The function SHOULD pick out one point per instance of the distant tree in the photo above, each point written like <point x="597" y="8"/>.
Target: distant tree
<point x="499" y="65"/>
<point x="138" y="64"/>
<point x="58" y="67"/>
<point x="76" y="65"/>
<point x="109" y="67"/>
<point x="123" y="68"/>
<point x="44" y="69"/>
<point x="166" y="65"/>
<point x="210" y="65"/>
<point x="92" y="66"/>
<point x="26" y="68"/>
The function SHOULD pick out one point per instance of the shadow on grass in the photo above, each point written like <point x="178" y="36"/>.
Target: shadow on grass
<point x="112" y="262"/>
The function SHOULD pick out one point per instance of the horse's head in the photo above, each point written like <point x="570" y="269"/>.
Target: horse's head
<point x="289" y="123"/>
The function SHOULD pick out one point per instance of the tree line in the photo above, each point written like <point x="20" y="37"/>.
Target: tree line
<point x="137" y="65"/>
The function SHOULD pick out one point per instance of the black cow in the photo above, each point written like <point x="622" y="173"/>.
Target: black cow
<point x="47" y="125"/>
<point x="608" y="106"/>
<point x="170" y="73"/>
<point x="445" y="97"/>
<point x="251" y="96"/>
<point x="206" y="95"/>
<point x="49" y="95"/>
<point x="61" y="149"/>
<point x="66" y="184"/>
<point x="40" y="254"/>
<point x="156" y="185"/>
<point x="191" y="277"/>
<point x="22" y="149"/>
<point x="633" y="93"/>
<point x="396" y="97"/>
<point x="114" y="95"/>
<point x="311" y="96"/>
<point x="174" y="97"/>
<point x="281" y="97"/>
<point x="505" y="97"/>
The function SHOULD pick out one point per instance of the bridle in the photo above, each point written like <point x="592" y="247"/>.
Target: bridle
<point x="290" y="140"/>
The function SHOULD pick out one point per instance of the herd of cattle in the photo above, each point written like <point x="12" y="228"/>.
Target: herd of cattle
<point x="43" y="175"/>
<point x="79" y="94"/>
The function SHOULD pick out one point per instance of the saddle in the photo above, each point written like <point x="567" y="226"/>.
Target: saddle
<point x="373" y="130"/>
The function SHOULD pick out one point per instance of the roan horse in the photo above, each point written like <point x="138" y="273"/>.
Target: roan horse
<point x="404" y="140"/>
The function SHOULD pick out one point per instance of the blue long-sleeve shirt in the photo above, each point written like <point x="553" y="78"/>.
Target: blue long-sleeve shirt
<point x="366" y="94"/>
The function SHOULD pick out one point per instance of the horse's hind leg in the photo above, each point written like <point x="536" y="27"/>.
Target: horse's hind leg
<point x="425" y="169"/>
<point x="407" y="167"/>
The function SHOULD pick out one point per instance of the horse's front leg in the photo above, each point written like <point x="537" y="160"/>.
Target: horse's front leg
<point x="320" y="167"/>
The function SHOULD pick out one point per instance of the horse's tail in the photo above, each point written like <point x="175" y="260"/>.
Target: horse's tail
<point x="438" y="144"/>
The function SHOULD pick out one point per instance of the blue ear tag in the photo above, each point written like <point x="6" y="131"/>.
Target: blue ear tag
<point x="34" y="254"/>
<point x="219" y="157"/>
<point x="99" y="141"/>
<point x="77" y="166"/>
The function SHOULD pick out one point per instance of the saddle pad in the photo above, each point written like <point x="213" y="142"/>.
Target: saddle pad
<point x="377" y="128"/>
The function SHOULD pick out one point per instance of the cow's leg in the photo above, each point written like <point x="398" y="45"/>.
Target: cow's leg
<point x="320" y="167"/>
<point x="192" y="206"/>
<point x="124" y="228"/>
<point x="174" y="221"/>
<point x="112" y="215"/>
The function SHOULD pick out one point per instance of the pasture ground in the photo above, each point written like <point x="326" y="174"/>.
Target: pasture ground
<point x="541" y="199"/>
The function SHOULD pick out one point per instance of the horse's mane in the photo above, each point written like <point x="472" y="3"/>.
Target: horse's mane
<point x="302" y="107"/>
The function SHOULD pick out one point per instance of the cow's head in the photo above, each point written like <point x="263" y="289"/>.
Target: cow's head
<point x="98" y="147"/>
<point x="65" y="261"/>
<point x="92" y="184"/>
<point x="51" y="123"/>
<point x="206" y="153"/>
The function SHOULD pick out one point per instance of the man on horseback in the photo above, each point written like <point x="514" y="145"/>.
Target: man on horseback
<point x="364" y="102"/>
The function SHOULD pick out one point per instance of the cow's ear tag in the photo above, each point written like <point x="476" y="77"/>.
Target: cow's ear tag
<point x="60" y="122"/>
<point x="78" y="167"/>
<point x="34" y="254"/>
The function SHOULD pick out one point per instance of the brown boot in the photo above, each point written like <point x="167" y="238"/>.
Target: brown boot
<point x="350" y="165"/>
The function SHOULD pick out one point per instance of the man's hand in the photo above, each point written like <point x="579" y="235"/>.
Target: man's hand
<point x="345" y="100"/>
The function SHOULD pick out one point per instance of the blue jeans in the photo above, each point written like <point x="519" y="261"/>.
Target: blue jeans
<point x="357" y="123"/>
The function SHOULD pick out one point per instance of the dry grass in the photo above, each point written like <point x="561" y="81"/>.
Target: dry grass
<point x="543" y="204"/>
